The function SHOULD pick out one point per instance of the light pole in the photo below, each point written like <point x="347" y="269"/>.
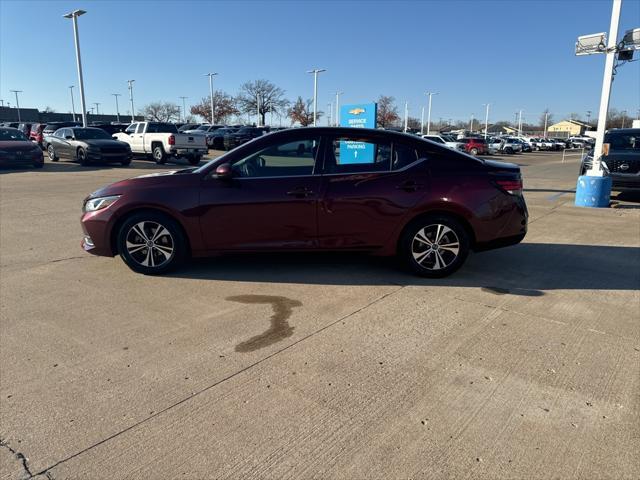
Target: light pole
<point x="338" y="108"/>
<point x="406" y="116"/>
<point x="588" y="117"/>
<point x="117" y="108"/>
<point x="184" y="109"/>
<point x="624" y="115"/>
<point x="471" y="124"/>
<point x="73" y="106"/>
<point x="1" y="102"/>
<point x="430" y="94"/>
<point x="17" y="103"/>
<point x="486" y="120"/>
<point x="130" y="87"/>
<point x="315" y="72"/>
<point x="74" y="17"/>
<point x="520" y="122"/>
<point x="546" y="118"/>
<point x="97" y="108"/>
<point x="211" y="75"/>
<point x="422" y="122"/>
<point x="330" y="117"/>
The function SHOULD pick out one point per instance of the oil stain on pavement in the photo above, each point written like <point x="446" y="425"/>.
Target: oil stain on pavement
<point x="279" y="329"/>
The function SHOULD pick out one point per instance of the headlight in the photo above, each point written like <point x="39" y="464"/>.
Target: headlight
<point x="99" y="203"/>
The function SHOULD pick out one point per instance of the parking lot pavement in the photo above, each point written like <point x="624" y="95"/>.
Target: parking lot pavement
<point x="524" y="364"/>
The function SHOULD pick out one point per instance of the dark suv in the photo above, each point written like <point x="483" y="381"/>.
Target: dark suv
<point x="623" y="160"/>
<point x="243" y="135"/>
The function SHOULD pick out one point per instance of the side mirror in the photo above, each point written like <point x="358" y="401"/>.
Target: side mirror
<point x="224" y="171"/>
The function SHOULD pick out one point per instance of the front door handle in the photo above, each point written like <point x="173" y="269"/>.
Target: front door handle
<point x="301" y="192"/>
<point x="410" y="186"/>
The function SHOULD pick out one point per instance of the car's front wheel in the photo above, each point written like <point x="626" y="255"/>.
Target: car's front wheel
<point x="473" y="151"/>
<point x="434" y="246"/>
<point x="151" y="243"/>
<point x="82" y="157"/>
<point x="52" y="153"/>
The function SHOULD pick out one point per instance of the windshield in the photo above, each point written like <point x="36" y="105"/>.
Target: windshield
<point x="7" y="135"/>
<point x="203" y="127"/>
<point x="89" y="133"/>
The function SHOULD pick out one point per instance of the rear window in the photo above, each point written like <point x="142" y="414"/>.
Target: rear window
<point x="161" y="128"/>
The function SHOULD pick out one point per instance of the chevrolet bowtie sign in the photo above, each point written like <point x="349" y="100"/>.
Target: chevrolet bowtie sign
<point x="357" y="116"/>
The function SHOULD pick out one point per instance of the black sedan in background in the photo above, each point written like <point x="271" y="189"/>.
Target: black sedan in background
<point x="17" y="150"/>
<point x="243" y="135"/>
<point x="86" y="145"/>
<point x="215" y="140"/>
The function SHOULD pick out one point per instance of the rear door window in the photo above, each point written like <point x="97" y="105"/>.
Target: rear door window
<point x="403" y="155"/>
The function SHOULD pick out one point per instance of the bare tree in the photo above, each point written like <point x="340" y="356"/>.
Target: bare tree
<point x="48" y="109"/>
<point x="224" y="106"/>
<point x="301" y="112"/>
<point x="161" y="111"/>
<point x="261" y="95"/>
<point x="549" y="118"/>
<point x="387" y="111"/>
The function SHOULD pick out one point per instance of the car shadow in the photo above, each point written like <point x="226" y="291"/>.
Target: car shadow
<point x="527" y="269"/>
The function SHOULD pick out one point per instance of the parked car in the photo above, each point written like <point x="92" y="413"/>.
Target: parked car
<point x="623" y="160"/>
<point x="86" y="145"/>
<point x="215" y="139"/>
<point x="162" y="140"/>
<point x="474" y="145"/>
<point x="51" y="127"/>
<point x="511" y="145"/>
<point x="187" y="126"/>
<point x="25" y="128"/>
<point x="558" y="143"/>
<point x="314" y="189"/>
<point x="243" y="135"/>
<point x="35" y="135"/>
<point x="203" y="129"/>
<point x="110" y="128"/>
<point x="17" y="150"/>
<point x="11" y="124"/>
<point x="444" y="141"/>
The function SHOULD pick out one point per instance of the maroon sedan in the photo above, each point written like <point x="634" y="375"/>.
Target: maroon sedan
<point x="16" y="150"/>
<point x="314" y="189"/>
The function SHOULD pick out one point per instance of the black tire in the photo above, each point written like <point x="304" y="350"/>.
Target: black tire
<point x="126" y="162"/>
<point x="473" y="151"/>
<point x="158" y="154"/>
<point x="194" y="160"/>
<point x="51" y="152"/>
<point x="81" y="155"/>
<point x="168" y="251"/>
<point x="423" y="253"/>
<point x="509" y="150"/>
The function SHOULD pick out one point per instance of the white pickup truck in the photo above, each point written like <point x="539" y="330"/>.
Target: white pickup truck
<point x="162" y="140"/>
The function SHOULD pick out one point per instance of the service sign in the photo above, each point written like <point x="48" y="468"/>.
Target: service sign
<point x="357" y="116"/>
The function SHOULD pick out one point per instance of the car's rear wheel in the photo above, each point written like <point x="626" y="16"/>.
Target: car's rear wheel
<point x="473" y="151"/>
<point x="51" y="152"/>
<point x="81" y="154"/>
<point x="434" y="246"/>
<point x="158" y="155"/>
<point x="151" y="243"/>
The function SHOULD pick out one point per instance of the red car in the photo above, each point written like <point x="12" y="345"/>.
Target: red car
<point x="36" y="135"/>
<point x="474" y="146"/>
<point x="314" y="189"/>
<point x="16" y="150"/>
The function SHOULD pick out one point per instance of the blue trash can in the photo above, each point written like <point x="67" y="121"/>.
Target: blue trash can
<point x="593" y="191"/>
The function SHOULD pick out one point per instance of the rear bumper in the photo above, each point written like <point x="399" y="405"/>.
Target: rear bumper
<point x="188" y="151"/>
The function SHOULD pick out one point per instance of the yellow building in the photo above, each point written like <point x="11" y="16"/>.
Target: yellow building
<point x="569" y="128"/>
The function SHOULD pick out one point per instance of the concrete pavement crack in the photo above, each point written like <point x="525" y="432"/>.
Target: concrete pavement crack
<point x="219" y="382"/>
<point x="19" y="456"/>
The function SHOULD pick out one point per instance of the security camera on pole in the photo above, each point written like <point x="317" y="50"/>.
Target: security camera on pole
<point x="594" y="188"/>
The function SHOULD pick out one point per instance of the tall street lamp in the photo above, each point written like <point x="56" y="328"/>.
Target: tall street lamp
<point x="184" y="109"/>
<point x="117" y="108"/>
<point x="17" y="103"/>
<point x="430" y="94"/>
<point x="73" y="106"/>
<point x="315" y="72"/>
<point x="486" y="120"/>
<point x="211" y="75"/>
<point x="74" y="16"/>
<point x="338" y="108"/>
<point x="97" y="108"/>
<point x="130" y="82"/>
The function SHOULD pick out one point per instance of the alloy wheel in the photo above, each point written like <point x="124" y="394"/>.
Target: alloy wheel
<point x="150" y="244"/>
<point x="435" y="247"/>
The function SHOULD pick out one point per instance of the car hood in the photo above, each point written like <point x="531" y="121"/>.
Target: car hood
<point x="13" y="146"/>
<point x="168" y="178"/>
<point x="103" y="142"/>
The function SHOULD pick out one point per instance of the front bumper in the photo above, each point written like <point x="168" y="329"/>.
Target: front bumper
<point x="21" y="160"/>
<point x="625" y="181"/>
<point x="98" y="156"/>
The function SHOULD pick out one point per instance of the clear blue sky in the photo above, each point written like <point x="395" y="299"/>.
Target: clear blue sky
<point x="514" y="54"/>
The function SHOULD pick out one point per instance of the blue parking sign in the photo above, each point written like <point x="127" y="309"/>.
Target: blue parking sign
<point x="357" y="116"/>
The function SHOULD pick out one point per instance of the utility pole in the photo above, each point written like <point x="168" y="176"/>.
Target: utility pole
<point x="430" y="94"/>
<point x="184" y="109"/>
<point x="422" y="122"/>
<point x="338" y="108"/>
<point x="1" y="102"/>
<point x="74" y="17"/>
<point x="471" y="124"/>
<point x="406" y="116"/>
<point x="97" y="108"/>
<point x="520" y="122"/>
<point x="624" y="116"/>
<point x="73" y="106"/>
<point x="117" y="108"/>
<point x="486" y="120"/>
<point x="589" y="117"/>
<point x="17" y="103"/>
<point x="330" y="117"/>
<point x="130" y="82"/>
<point x="211" y="75"/>
<point x="546" y="117"/>
<point x="315" y="72"/>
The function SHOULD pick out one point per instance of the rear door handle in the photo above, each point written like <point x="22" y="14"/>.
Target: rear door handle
<point x="410" y="186"/>
<point x="301" y="192"/>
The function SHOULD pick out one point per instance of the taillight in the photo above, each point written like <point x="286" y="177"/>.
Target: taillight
<point x="172" y="140"/>
<point x="514" y="187"/>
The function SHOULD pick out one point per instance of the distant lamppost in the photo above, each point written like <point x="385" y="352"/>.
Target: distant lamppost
<point x="624" y="116"/>
<point x="17" y="102"/>
<point x="73" y="106"/>
<point x="430" y="94"/>
<point x="338" y="108"/>
<point x="211" y="75"/>
<point x="97" y="108"/>
<point x="184" y="109"/>
<point x="471" y="124"/>
<point x="486" y="120"/>
<point x="74" y="16"/>
<point x="315" y="72"/>
<point x="130" y="82"/>
<point x="117" y="108"/>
